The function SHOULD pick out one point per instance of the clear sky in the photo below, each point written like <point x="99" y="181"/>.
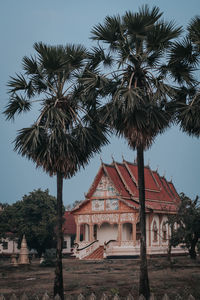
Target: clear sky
<point x="24" y="22"/>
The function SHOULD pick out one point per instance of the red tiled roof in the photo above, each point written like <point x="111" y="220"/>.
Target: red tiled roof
<point x="95" y="182"/>
<point x="126" y="177"/>
<point x="69" y="226"/>
<point x="160" y="194"/>
<point x="172" y="188"/>
<point x="115" y="178"/>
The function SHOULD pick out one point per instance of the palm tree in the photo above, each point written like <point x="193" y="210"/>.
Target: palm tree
<point x="137" y="90"/>
<point x="67" y="131"/>
<point x="186" y="55"/>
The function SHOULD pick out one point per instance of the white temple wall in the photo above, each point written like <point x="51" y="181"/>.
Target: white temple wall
<point x="67" y="243"/>
<point x="127" y="232"/>
<point x="107" y="232"/>
<point x="11" y="247"/>
<point x="87" y="232"/>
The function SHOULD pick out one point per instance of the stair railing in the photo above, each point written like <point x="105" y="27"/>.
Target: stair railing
<point x="108" y="246"/>
<point x="86" y="250"/>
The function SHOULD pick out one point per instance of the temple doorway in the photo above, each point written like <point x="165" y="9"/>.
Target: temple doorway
<point x="107" y="232"/>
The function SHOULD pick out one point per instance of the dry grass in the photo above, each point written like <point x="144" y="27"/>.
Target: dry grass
<point x="110" y="276"/>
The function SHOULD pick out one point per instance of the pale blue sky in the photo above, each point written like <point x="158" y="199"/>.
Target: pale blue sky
<point x="24" y="22"/>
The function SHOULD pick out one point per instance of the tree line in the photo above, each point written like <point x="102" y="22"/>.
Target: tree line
<point x="138" y="79"/>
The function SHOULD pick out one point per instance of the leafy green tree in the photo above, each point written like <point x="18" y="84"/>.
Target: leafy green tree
<point x="67" y="131"/>
<point x="34" y="216"/>
<point x="137" y="88"/>
<point x="188" y="220"/>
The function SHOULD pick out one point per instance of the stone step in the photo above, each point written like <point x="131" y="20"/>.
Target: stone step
<point x="96" y="255"/>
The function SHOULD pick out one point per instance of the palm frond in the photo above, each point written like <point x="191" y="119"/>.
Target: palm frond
<point x="181" y="73"/>
<point x="161" y="35"/>
<point x="15" y="106"/>
<point x="17" y="83"/>
<point x="110" y="32"/>
<point x="98" y="56"/>
<point x="75" y="55"/>
<point x="152" y="15"/>
<point x="30" y="65"/>
<point x="182" y="51"/>
<point x="188" y="116"/>
<point x="194" y="31"/>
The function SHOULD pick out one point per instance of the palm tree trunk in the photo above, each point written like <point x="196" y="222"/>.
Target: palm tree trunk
<point x="144" y="280"/>
<point x="169" y="250"/>
<point x="58" y="282"/>
<point x="192" y="250"/>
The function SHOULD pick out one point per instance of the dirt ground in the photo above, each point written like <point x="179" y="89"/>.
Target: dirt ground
<point x="109" y="276"/>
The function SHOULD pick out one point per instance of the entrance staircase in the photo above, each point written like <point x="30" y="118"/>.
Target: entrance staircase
<point x="96" y="255"/>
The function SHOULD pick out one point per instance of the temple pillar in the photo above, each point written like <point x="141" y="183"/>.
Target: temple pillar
<point x="77" y="233"/>
<point x="134" y="232"/>
<point x="91" y="233"/>
<point x="119" y="233"/>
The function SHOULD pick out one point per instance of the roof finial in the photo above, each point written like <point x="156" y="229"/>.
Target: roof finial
<point x="112" y="158"/>
<point x="123" y="158"/>
<point x="164" y="173"/>
<point x="171" y="178"/>
<point x="101" y="159"/>
<point x="157" y="168"/>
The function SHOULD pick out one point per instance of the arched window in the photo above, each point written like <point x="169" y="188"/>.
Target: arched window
<point x="164" y="232"/>
<point x="155" y="232"/>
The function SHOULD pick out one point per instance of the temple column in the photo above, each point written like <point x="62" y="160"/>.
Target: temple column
<point x="77" y="233"/>
<point x="119" y="233"/>
<point x="91" y="233"/>
<point x="134" y="233"/>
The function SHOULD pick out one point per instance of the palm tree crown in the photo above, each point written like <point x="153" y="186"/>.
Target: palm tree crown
<point x="139" y="93"/>
<point x="66" y="134"/>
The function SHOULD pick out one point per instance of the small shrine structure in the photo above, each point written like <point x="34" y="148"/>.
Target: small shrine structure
<point x="23" y="254"/>
<point x="109" y="216"/>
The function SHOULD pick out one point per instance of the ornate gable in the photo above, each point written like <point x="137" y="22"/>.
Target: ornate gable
<point x="105" y="188"/>
<point x="105" y="196"/>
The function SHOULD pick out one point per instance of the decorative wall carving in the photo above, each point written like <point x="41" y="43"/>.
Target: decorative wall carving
<point x="109" y="218"/>
<point x="84" y="219"/>
<point x="112" y="204"/>
<point x="98" y="205"/>
<point x="127" y="217"/>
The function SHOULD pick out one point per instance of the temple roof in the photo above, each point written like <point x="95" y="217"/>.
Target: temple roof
<point x="160" y="194"/>
<point x="69" y="225"/>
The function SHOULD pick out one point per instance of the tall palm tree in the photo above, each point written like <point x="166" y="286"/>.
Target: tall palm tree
<point x="137" y="89"/>
<point x="67" y="131"/>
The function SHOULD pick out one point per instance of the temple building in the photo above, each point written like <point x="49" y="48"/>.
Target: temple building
<point x="109" y="216"/>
